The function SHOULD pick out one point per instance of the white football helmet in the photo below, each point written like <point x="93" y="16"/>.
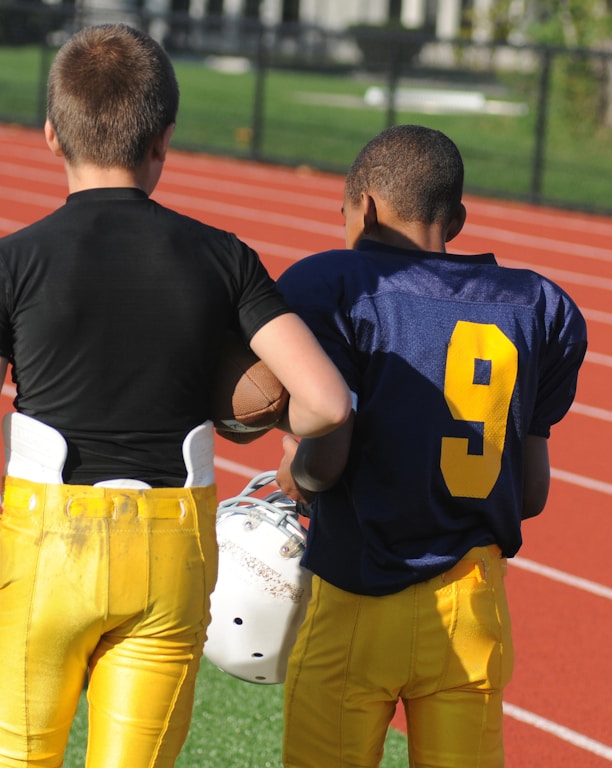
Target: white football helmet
<point x="262" y="591"/>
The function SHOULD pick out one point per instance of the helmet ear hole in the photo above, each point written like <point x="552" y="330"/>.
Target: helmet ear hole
<point x="262" y="591"/>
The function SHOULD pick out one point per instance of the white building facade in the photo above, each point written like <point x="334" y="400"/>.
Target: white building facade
<point x="447" y="18"/>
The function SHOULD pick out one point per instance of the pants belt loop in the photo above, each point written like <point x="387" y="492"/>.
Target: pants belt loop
<point x="470" y="562"/>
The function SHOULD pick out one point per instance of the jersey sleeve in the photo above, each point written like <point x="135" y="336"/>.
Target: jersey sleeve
<point x="258" y="299"/>
<point x="563" y="354"/>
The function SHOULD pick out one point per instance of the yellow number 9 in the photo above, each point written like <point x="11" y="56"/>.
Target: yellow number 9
<point x="481" y="370"/>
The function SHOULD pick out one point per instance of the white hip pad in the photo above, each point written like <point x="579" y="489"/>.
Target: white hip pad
<point x="199" y="455"/>
<point x="34" y="451"/>
<point x="37" y="452"/>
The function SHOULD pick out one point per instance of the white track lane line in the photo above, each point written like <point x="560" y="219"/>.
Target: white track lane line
<point x="554" y="574"/>
<point x="560" y="731"/>
<point x="237" y="469"/>
<point x="599" y="359"/>
<point x="581" y="480"/>
<point x="535" y="242"/>
<point x="534" y="216"/>
<point x="597" y="315"/>
<point x="592" y="411"/>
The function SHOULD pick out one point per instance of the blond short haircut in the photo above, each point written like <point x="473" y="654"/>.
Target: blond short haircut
<point x="111" y="91"/>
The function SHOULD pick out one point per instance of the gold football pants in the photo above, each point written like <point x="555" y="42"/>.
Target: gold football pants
<point x="109" y="584"/>
<point x="442" y="647"/>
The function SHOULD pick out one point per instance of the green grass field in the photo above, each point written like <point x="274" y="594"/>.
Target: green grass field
<point x="323" y="120"/>
<point x="234" y="725"/>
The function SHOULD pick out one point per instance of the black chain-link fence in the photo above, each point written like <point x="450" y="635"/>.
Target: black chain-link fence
<point x="533" y="123"/>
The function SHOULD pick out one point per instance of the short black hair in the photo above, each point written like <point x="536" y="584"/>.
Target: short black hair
<point x="417" y="171"/>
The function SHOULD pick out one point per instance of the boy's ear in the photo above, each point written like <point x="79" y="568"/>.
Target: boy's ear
<point x="370" y="214"/>
<point x="161" y="144"/>
<point x="52" y="140"/>
<point x="456" y="223"/>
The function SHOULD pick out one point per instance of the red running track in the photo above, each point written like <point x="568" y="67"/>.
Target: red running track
<point x="560" y="587"/>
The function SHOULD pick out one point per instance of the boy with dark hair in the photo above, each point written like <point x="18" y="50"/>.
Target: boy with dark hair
<point x="113" y="312"/>
<point x="459" y="367"/>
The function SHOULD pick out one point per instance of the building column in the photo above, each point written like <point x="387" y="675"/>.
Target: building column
<point x="448" y="20"/>
<point x="232" y="7"/>
<point x="372" y="13"/>
<point x="271" y="11"/>
<point x="413" y="13"/>
<point x="482" y="27"/>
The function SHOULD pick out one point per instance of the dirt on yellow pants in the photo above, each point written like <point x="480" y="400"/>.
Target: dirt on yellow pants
<point x="112" y="584"/>
<point x="443" y="648"/>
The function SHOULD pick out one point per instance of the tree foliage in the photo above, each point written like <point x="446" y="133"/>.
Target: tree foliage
<point x="582" y="24"/>
<point x="573" y="23"/>
<point x="584" y="80"/>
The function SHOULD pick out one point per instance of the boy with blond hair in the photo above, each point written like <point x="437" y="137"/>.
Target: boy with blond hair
<point x="113" y="311"/>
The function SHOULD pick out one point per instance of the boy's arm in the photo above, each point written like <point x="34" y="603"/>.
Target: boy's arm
<point x="3" y="368"/>
<point x="537" y="476"/>
<point x="319" y="399"/>
<point x="314" y="464"/>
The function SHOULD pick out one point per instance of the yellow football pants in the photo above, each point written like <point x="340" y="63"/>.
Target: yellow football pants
<point x="443" y="647"/>
<point x="109" y="583"/>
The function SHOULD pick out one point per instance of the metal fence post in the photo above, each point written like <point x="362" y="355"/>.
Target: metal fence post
<point x="395" y="67"/>
<point x="543" y="96"/>
<point x="43" y="73"/>
<point x="259" y="94"/>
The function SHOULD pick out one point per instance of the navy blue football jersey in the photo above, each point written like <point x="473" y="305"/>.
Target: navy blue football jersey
<point x="455" y="360"/>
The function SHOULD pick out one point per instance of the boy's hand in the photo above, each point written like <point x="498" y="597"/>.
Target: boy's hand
<point x="285" y="479"/>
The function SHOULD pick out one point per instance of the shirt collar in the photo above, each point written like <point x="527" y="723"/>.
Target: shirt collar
<point x="415" y="253"/>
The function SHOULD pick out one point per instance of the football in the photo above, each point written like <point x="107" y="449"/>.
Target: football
<point x="247" y="397"/>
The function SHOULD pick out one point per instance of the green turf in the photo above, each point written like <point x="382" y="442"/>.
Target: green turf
<point x="234" y="725"/>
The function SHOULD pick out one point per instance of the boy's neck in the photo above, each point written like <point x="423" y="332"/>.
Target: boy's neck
<point x="84" y="177"/>
<point x="414" y="236"/>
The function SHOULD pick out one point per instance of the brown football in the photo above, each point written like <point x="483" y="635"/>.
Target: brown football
<point x="247" y="396"/>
